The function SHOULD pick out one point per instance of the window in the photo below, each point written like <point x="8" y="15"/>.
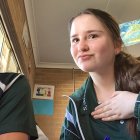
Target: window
<point x="8" y="59"/>
<point x="130" y="32"/>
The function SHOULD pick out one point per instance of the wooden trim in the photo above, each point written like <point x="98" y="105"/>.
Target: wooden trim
<point x="12" y="33"/>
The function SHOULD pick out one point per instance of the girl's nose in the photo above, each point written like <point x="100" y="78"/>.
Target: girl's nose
<point x="83" y="45"/>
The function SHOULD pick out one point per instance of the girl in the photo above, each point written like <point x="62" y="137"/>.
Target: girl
<point x="104" y="106"/>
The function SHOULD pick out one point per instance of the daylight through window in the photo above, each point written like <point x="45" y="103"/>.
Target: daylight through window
<point x="8" y="61"/>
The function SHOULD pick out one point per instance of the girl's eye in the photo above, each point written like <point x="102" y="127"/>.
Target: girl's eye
<point x="74" y="40"/>
<point x="91" y="36"/>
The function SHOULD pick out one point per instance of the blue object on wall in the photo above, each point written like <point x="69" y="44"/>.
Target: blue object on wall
<point x="130" y="32"/>
<point x="43" y="107"/>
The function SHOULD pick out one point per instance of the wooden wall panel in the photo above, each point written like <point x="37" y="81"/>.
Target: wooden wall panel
<point x="64" y="84"/>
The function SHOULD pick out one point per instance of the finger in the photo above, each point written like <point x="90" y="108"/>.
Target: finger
<point x="100" y="116"/>
<point x="101" y="110"/>
<point x="111" y="118"/>
<point x="105" y="114"/>
<point x="97" y="112"/>
<point x="114" y="95"/>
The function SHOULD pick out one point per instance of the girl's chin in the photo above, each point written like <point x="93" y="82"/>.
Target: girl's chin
<point x="85" y="69"/>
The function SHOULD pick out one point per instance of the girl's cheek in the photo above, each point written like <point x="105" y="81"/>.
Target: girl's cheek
<point x="72" y="52"/>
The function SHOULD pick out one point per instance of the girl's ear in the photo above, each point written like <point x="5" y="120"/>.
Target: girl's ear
<point x="118" y="47"/>
<point x="117" y="50"/>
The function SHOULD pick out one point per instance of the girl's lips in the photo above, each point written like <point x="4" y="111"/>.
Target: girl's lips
<point x="85" y="57"/>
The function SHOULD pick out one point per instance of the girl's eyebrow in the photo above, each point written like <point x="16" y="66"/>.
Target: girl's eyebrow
<point x="88" y="31"/>
<point x="96" y="31"/>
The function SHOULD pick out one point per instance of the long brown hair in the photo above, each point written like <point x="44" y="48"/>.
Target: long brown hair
<point x="127" y="68"/>
<point x="127" y="73"/>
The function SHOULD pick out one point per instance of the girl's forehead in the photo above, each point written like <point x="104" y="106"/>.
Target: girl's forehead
<point x="86" y="17"/>
<point x="86" y="22"/>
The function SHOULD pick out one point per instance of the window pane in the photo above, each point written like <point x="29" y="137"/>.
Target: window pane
<point x="130" y="32"/>
<point x="12" y="65"/>
<point x="4" y="56"/>
<point x="8" y="61"/>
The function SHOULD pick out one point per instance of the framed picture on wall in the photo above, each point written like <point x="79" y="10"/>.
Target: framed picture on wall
<point x="43" y="92"/>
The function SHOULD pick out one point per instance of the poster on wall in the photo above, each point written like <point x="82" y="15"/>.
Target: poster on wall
<point x="130" y="32"/>
<point x="43" y="92"/>
<point x="43" y="107"/>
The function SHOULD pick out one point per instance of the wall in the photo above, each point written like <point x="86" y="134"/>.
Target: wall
<point x="133" y="50"/>
<point x="63" y="80"/>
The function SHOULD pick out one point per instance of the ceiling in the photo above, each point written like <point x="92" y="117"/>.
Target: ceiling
<point x="48" y="19"/>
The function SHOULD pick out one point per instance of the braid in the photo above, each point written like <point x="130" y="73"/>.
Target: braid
<point x="127" y="74"/>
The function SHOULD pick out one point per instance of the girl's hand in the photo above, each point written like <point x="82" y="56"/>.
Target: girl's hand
<point x="119" y="106"/>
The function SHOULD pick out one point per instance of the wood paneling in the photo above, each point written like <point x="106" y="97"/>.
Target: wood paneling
<point x="64" y="84"/>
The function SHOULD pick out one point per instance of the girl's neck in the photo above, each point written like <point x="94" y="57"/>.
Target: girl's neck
<point x="104" y="85"/>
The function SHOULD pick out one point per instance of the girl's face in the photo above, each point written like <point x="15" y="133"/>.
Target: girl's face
<point x="92" y="47"/>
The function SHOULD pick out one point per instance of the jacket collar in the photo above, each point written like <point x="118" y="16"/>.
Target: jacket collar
<point x="89" y="100"/>
<point x="5" y="80"/>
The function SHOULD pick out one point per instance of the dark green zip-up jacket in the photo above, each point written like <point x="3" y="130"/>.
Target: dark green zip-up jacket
<point x="16" y="112"/>
<point x="84" y="126"/>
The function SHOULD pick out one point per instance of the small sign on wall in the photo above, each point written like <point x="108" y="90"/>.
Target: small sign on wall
<point x="43" y="92"/>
